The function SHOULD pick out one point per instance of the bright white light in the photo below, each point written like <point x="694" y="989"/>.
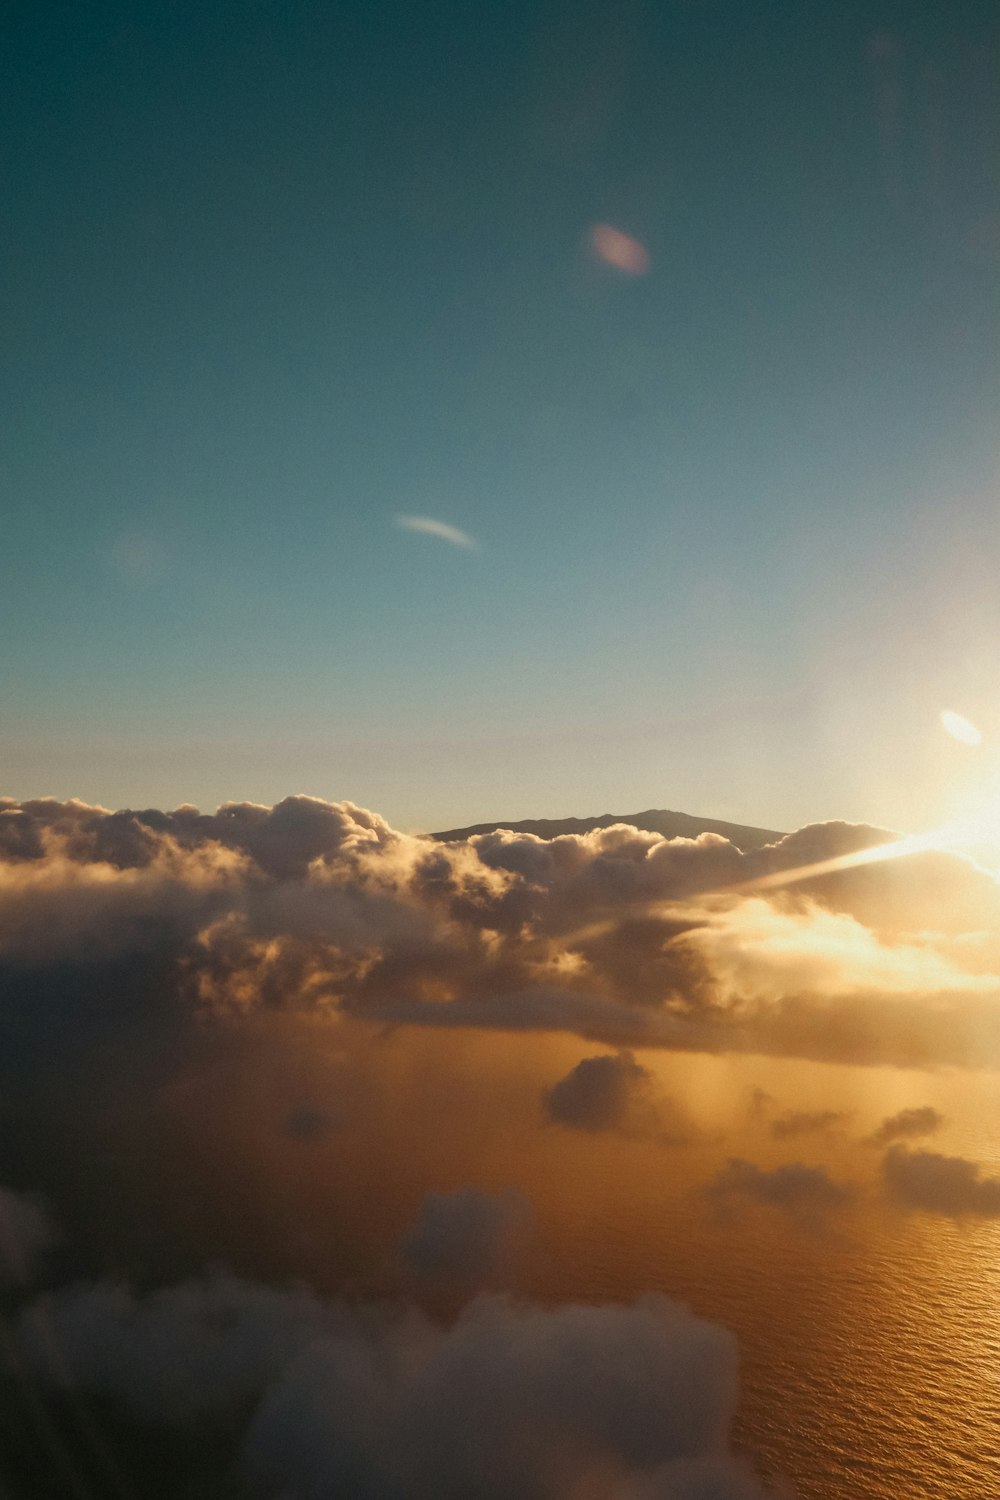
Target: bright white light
<point x="960" y="728"/>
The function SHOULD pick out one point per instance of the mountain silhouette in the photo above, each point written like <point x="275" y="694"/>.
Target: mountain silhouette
<point x="672" y="825"/>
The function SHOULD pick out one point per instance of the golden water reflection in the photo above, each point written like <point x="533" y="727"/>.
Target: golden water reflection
<point x="869" y="1335"/>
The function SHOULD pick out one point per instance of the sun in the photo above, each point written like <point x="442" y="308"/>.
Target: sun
<point x="976" y="831"/>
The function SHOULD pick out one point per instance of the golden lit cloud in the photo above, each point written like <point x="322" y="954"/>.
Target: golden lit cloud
<point x="757" y="950"/>
<point x="618" y="935"/>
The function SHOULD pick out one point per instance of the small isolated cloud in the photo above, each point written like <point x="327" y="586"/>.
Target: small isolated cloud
<point x="139" y="557"/>
<point x="760" y="1102"/>
<point x="907" y="1125"/>
<point x="306" y="1123"/>
<point x="468" y="1240"/>
<point x="427" y="526"/>
<point x="792" y="1186"/>
<point x="610" y="1092"/>
<point x="25" y="1232"/>
<point x="805" y="1122"/>
<point x="949" y="1185"/>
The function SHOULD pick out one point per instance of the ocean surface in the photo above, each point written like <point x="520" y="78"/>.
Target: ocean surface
<point x="869" y="1332"/>
<point x="869" y="1336"/>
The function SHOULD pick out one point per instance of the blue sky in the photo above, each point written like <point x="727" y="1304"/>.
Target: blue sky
<point x="278" y="274"/>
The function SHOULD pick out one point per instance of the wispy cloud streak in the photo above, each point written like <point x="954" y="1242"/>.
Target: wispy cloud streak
<point x="427" y="526"/>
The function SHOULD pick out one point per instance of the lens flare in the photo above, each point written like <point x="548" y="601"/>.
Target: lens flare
<point x="619" y="250"/>
<point x="960" y="728"/>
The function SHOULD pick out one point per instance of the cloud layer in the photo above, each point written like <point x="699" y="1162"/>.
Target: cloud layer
<point x="318" y="1398"/>
<point x="618" y="935"/>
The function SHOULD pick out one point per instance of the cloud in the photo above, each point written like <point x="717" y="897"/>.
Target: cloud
<point x="805" y="1122"/>
<point x="949" y="1185"/>
<point x="760" y="1102"/>
<point x="792" y="1186"/>
<point x="198" y="1349"/>
<point x="611" y="1092"/>
<point x="697" y="1479"/>
<point x="139" y="556"/>
<point x="26" y="1232"/>
<point x="467" y="1240"/>
<point x="926" y="891"/>
<point x="756" y="947"/>
<point x="320" y="1397"/>
<point x="427" y="526"/>
<point x="512" y="1400"/>
<point x="307" y="1123"/>
<point x="620" y="935"/>
<point x="907" y="1125"/>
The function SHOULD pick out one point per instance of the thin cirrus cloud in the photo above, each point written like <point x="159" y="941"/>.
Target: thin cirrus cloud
<point x="428" y="526"/>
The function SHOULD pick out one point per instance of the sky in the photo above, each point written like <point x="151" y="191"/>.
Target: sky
<point x="724" y="520"/>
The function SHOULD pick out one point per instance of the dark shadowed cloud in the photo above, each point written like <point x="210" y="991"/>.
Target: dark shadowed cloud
<point x="322" y="1399"/>
<point x="792" y="1186"/>
<point x="307" y="1123"/>
<point x="805" y="1122"/>
<point x="26" y="1232"/>
<point x="908" y="1124"/>
<point x="611" y="1092"/>
<point x="949" y="1185"/>
<point x="467" y="1240"/>
<point x="760" y="1103"/>
<point x="513" y="1400"/>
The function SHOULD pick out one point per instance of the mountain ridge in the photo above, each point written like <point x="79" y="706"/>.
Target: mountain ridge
<point x="665" y="821"/>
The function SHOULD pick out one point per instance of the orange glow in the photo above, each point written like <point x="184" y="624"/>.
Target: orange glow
<point x="620" y="250"/>
<point x="895" y="849"/>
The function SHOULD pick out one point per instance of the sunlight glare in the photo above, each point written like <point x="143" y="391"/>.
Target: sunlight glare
<point x="960" y="728"/>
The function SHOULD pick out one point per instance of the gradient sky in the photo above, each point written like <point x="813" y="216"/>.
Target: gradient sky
<point x="278" y="274"/>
